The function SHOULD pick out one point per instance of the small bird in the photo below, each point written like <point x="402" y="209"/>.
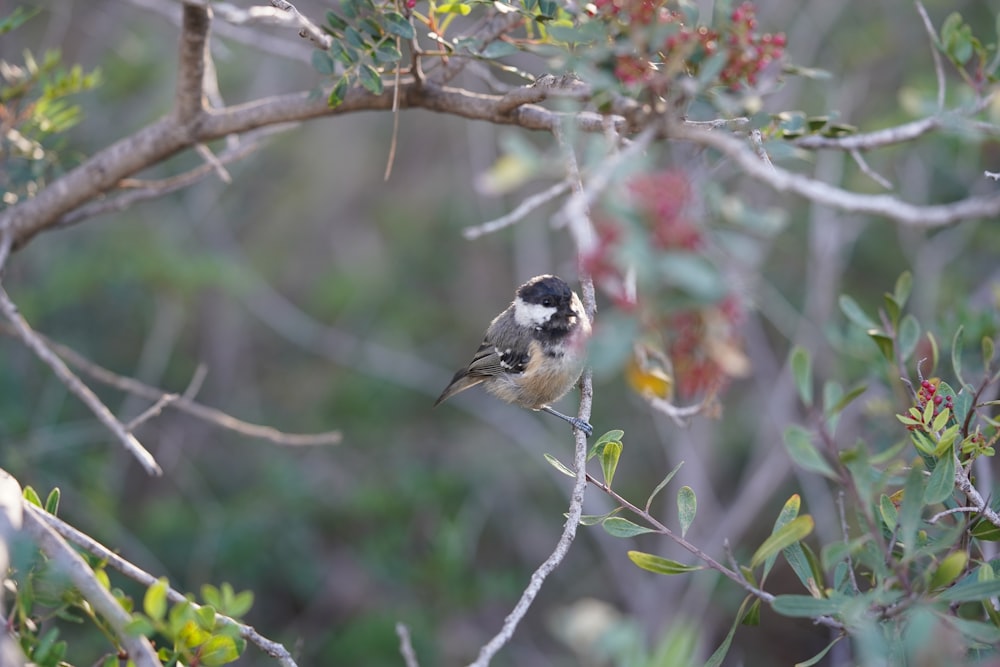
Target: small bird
<point x="533" y="352"/>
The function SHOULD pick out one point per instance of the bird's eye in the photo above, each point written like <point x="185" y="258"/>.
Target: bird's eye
<point x="547" y="302"/>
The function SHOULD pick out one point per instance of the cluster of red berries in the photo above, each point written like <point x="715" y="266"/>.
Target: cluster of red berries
<point x="704" y="346"/>
<point x="747" y="51"/>
<point x="928" y="393"/>
<point x="662" y="198"/>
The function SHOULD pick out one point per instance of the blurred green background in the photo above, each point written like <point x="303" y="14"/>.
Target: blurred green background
<point x="320" y="297"/>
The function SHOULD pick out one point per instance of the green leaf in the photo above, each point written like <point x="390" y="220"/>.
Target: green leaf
<point x="16" y="19"/>
<point x="660" y="565"/>
<point x="888" y="511"/>
<point x="498" y="49"/>
<point x="139" y="625"/>
<point x="32" y="496"/>
<point x="911" y="506"/>
<point x="909" y="336"/>
<point x="370" y="79"/>
<point x="789" y="511"/>
<point x="884" y="342"/>
<point x="956" y="355"/>
<point x="819" y="656"/>
<point x="792" y="532"/>
<point x="659" y="487"/>
<point x="398" y="25"/>
<point x="52" y="502"/>
<point x="558" y="465"/>
<point x="804" y="564"/>
<point x="338" y="93"/>
<point x="609" y="460"/>
<point x="982" y="590"/>
<point x="547" y="10"/>
<point x="218" y="650"/>
<point x="322" y="62"/>
<point x="941" y="484"/>
<point x="594" y="519"/>
<point x="154" y="603"/>
<point x="989" y="349"/>
<point x="715" y="660"/>
<point x="386" y="53"/>
<point x="454" y="8"/>
<point x="935" y="352"/>
<point x="949" y="569"/>
<point x="892" y="309"/>
<point x="619" y="527"/>
<point x="614" y="435"/>
<point x="835" y="407"/>
<point x="355" y="38"/>
<point x="687" y="507"/>
<point x="800" y="448"/>
<point x="904" y="283"/>
<point x="802" y="372"/>
<point x="806" y="606"/>
<point x="853" y="311"/>
<point x="336" y="23"/>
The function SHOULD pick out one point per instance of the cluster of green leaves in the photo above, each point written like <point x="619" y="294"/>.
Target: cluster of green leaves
<point x="40" y="597"/>
<point x="34" y="114"/>
<point x="196" y="633"/>
<point x="966" y="51"/>
<point x="914" y="555"/>
<point x="366" y="40"/>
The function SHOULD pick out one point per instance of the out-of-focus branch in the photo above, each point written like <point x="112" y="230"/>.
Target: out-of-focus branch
<point x="66" y="560"/>
<point x="182" y="402"/>
<point x="34" y="342"/>
<point x="885" y="206"/>
<point x="54" y="524"/>
<point x="189" y="99"/>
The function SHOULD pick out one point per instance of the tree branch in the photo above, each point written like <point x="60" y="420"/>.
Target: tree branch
<point x="37" y="344"/>
<point x="90" y="545"/>
<point x="885" y="206"/>
<point x="183" y="403"/>
<point x="82" y="576"/>
<point x="189" y="100"/>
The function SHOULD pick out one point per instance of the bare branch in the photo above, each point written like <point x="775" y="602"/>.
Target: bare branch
<point x="406" y="646"/>
<point x="38" y="345"/>
<point x="189" y="100"/>
<point x="868" y="171"/>
<point x="92" y="546"/>
<point x="938" y="65"/>
<point x="828" y="195"/>
<point x="758" y="147"/>
<point x="66" y="560"/>
<point x="183" y="403"/>
<point x="523" y="209"/>
<point x="152" y="411"/>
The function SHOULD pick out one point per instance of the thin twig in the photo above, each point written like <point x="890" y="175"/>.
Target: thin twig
<point x="526" y="207"/>
<point x="67" y="561"/>
<point x="90" y="545"/>
<point x="307" y="29"/>
<point x="868" y="171"/>
<point x="954" y="510"/>
<point x="37" y="344"/>
<point x="152" y="411"/>
<point x="406" y="646"/>
<point x="680" y="414"/>
<point x="938" y="64"/>
<point x="395" y="122"/>
<point x="184" y="403"/>
<point x="757" y="141"/>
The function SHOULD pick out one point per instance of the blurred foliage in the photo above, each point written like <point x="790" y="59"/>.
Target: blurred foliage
<point x="320" y="297"/>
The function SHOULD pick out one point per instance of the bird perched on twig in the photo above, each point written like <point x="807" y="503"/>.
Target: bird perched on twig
<point x="533" y="352"/>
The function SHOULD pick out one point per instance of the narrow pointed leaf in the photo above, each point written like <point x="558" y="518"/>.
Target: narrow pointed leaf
<point x="982" y="590"/>
<point x="884" y="342"/>
<point x="614" y="435"/>
<point x="956" y="355"/>
<point x="619" y="527"/>
<point x="890" y="515"/>
<point x="789" y="511"/>
<point x="901" y="292"/>
<point x="819" y="656"/>
<point x="806" y="606"/>
<point x="52" y="502"/>
<point x="792" y="532"/>
<point x="659" y="487"/>
<point x="892" y="309"/>
<point x="660" y="565"/>
<point x="559" y="465"/>
<point x="909" y="336"/>
<point x="609" y="460"/>
<point x="854" y="313"/>
<point x="687" y="507"/>
<point x="801" y="365"/>
<point x="715" y="660"/>
<point x="800" y="448"/>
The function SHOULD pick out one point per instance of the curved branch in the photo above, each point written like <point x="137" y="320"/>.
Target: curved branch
<point x="881" y="205"/>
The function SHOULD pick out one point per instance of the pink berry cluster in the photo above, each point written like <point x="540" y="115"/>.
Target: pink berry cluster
<point x="700" y="341"/>
<point x="928" y="393"/>
<point x="652" y="65"/>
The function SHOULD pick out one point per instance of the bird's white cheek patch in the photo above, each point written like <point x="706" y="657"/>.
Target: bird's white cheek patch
<point x="531" y="314"/>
